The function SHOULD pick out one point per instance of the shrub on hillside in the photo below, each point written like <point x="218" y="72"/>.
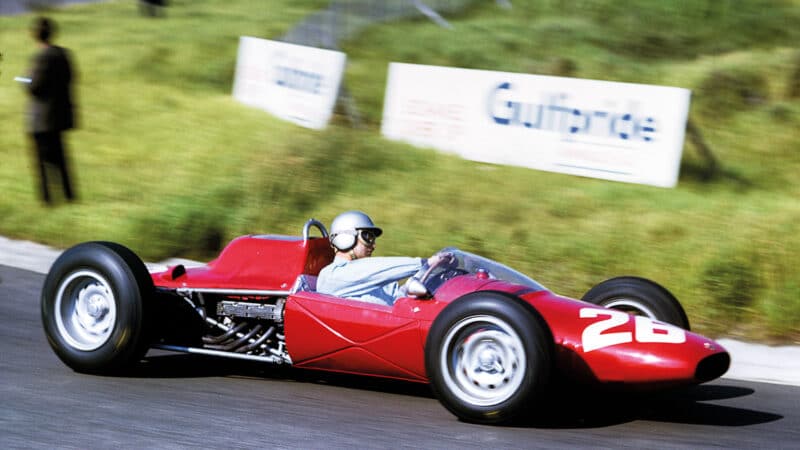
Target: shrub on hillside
<point x="725" y="91"/>
<point x="659" y="29"/>
<point x="191" y="226"/>
<point x="783" y="310"/>
<point x="731" y="281"/>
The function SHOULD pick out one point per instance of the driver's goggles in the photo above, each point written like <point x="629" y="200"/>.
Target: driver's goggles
<point x="367" y="236"/>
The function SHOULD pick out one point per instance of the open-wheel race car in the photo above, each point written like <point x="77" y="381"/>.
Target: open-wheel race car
<point x="487" y="338"/>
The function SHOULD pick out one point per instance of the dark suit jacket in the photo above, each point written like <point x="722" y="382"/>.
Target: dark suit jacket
<point x="51" y="107"/>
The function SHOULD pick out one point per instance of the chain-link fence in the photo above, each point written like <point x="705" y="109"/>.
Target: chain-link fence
<point x="8" y="7"/>
<point x="327" y="28"/>
<point x="343" y="19"/>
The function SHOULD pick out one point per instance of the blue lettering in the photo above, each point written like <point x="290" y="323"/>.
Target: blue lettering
<point x="625" y="125"/>
<point x="554" y="114"/>
<point x="529" y="122"/>
<point x="499" y="117"/>
<point x="575" y="126"/>
<point x="647" y="130"/>
<point x="298" y="80"/>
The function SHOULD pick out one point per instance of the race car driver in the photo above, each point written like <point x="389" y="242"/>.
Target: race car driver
<point x="353" y="274"/>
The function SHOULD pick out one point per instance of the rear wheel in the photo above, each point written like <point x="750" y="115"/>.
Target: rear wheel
<point x="640" y="297"/>
<point x="488" y="357"/>
<point x="95" y="307"/>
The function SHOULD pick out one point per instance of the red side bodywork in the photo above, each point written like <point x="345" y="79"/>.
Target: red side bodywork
<point x="329" y="333"/>
<point x="388" y="341"/>
<point x="334" y="334"/>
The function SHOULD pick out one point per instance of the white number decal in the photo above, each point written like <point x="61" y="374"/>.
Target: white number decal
<point x="651" y="331"/>
<point x="593" y="336"/>
<point x="596" y="335"/>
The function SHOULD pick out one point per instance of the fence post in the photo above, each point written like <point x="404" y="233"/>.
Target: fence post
<point x="793" y="90"/>
<point x="705" y="151"/>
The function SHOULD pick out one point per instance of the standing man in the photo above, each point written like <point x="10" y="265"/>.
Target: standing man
<point x="50" y="111"/>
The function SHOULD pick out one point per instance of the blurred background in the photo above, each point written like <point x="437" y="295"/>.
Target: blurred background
<point x="168" y="163"/>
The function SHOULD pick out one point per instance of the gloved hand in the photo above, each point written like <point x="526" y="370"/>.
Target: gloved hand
<point x="445" y="258"/>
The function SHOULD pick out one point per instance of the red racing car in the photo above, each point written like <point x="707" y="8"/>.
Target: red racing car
<point x="487" y="338"/>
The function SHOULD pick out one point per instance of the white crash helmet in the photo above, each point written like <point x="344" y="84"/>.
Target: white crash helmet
<point x="346" y="226"/>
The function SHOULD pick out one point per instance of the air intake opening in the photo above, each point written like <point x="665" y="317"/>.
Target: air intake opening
<point x="712" y="367"/>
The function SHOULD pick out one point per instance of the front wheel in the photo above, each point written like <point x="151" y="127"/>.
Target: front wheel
<point x="641" y="297"/>
<point x="488" y="357"/>
<point x="95" y="307"/>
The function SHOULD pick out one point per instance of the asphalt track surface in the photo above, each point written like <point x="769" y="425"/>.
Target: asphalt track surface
<point x="185" y="401"/>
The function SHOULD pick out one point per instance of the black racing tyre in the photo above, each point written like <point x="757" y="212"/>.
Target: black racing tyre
<point x="96" y="307"/>
<point x="639" y="296"/>
<point x="488" y="357"/>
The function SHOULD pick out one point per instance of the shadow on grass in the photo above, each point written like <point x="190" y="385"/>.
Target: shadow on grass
<point x="703" y="173"/>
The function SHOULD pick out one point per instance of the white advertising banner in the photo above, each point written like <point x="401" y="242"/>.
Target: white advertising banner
<point x="616" y="131"/>
<point x="296" y="83"/>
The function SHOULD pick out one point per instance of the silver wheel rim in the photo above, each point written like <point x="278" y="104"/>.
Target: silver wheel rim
<point x="85" y="310"/>
<point x="483" y="362"/>
<point x="629" y="306"/>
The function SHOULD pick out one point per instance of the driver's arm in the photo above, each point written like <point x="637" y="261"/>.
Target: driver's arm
<point x="366" y="276"/>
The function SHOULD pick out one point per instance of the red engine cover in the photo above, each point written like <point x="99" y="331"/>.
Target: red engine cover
<point x="264" y="262"/>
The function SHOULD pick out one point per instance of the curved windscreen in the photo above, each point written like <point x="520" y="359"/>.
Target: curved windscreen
<point x="470" y="263"/>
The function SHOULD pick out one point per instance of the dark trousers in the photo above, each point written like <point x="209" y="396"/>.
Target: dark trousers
<point x="51" y="155"/>
<point x="152" y="8"/>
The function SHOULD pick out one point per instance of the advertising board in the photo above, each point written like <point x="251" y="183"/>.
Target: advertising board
<point x="610" y="130"/>
<point x="296" y="83"/>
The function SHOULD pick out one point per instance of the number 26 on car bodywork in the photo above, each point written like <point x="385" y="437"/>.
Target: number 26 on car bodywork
<point x="646" y="330"/>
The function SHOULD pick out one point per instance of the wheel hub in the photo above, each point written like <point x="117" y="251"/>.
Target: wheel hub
<point x="486" y="362"/>
<point x="96" y="304"/>
<point x="489" y="359"/>
<point x="85" y="310"/>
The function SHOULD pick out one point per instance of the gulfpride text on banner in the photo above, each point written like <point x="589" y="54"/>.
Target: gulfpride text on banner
<point x="293" y="82"/>
<point x="617" y="131"/>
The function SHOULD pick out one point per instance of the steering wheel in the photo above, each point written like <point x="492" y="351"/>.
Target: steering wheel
<point x="446" y="260"/>
<point x="427" y="284"/>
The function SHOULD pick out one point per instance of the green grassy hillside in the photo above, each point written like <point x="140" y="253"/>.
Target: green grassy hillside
<point x="169" y="164"/>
